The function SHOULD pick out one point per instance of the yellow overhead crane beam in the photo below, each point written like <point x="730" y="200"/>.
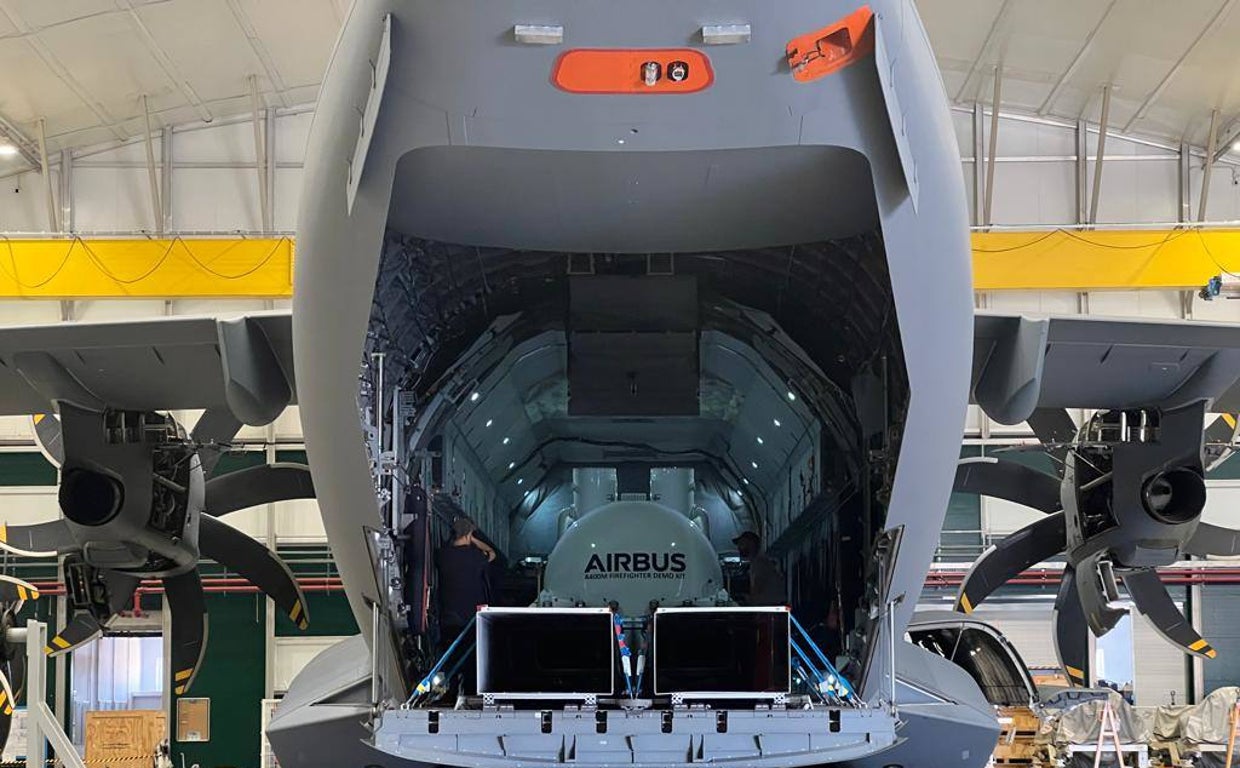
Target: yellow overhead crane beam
<point x="1096" y="260"/>
<point x="262" y="267"/>
<point x="146" y="268"/>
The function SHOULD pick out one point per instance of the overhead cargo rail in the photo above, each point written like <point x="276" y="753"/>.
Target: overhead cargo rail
<point x="253" y="266"/>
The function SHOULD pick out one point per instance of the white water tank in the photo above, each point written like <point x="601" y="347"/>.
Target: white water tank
<point x="633" y="553"/>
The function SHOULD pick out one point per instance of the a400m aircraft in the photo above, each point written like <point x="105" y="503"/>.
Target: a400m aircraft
<point x="621" y="280"/>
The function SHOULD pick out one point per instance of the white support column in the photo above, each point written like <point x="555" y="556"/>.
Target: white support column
<point x="269" y="624"/>
<point x="41" y="724"/>
<point x="62" y="661"/>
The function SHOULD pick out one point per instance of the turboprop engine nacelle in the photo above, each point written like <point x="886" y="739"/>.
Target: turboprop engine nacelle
<point x="637" y="554"/>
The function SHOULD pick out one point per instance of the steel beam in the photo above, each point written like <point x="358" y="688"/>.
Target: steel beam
<point x="1082" y="172"/>
<point x="8" y="9"/>
<point x="979" y="157"/>
<point x="260" y="51"/>
<point x="1185" y="162"/>
<point x="67" y="220"/>
<point x="26" y="147"/>
<point x="996" y="100"/>
<point x="152" y="174"/>
<point x="165" y="175"/>
<point x="1076" y="61"/>
<point x="1227" y="137"/>
<point x="1154" y="95"/>
<point x="986" y="43"/>
<point x="53" y="225"/>
<point x="1102" y="146"/>
<point x="269" y="167"/>
<point x="1211" y="146"/>
<point x="260" y="155"/>
<point x="179" y="81"/>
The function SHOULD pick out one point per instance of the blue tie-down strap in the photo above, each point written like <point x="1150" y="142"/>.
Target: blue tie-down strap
<point x="626" y="655"/>
<point x="829" y="678"/>
<point x="428" y="681"/>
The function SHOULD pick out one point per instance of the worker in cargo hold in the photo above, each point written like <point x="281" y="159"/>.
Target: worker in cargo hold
<point x="766" y="581"/>
<point x="464" y="565"/>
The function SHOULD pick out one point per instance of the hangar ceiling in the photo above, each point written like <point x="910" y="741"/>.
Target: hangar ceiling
<point x="84" y="66"/>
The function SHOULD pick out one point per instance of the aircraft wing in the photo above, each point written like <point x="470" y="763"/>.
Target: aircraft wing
<point x="244" y="365"/>
<point x="1021" y="363"/>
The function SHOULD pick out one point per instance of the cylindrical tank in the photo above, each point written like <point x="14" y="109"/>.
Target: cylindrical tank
<point x="592" y="488"/>
<point x="673" y="487"/>
<point x="633" y="553"/>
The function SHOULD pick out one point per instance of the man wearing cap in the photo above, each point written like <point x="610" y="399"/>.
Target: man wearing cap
<point x="766" y="583"/>
<point x="464" y="582"/>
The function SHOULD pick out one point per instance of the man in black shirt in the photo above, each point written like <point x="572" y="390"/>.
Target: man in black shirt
<point x="464" y="584"/>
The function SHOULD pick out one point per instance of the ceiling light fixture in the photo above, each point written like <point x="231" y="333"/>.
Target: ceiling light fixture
<point x="473" y="398"/>
<point x="776" y="423"/>
<point x="489" y="423"/>
<point x="760" y="441"/>
<point x="753" y="464"/>
<point x="9" y="150"/>
<point x="792" y="396"/>
<point x="505" y="441"/>
<point x="512" y="464"/>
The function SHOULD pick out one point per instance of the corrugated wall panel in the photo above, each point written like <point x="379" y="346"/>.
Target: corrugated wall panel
<point x="1220" y="623"/>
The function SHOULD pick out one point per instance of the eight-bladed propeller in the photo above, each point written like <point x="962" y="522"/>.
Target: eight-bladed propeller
<point x="1128" y="499"/>
<point x="13" y="595"/>
<point x="138" y="505"/>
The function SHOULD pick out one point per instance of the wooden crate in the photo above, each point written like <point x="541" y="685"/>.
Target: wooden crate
<point x="1018" y="727"/>
<point x="124" y="738"/>
<point x="1020" y="721"/>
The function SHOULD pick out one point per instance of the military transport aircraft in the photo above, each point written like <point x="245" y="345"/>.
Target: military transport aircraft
<point x="551" y="251"/>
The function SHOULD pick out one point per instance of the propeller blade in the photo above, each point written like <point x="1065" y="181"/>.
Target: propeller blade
<point x="14" y="590"/>
<point x="17" y="672"/>
<point x="215" y="428"/>
<point x="121" y="587"/>
<point x="1100" y="616"/>
<point x="49" y="437"/>
<point x="1032" y="544"/>
<point x="1009" y="481"/>
<point x="1213" y="540"/>
<point x="1071" y="638"/>
<point x="189" y="627"/>
<point x="41" y="540"/>
<point x="81" y="629"/>
<point x="1153" y="601"/>
<point x="263" y="484"/>
<point x="1053" y="425"/>
<point x="7" y="699"/>
<point x="1220" y="438"/>
<point x="264" y="569"/>
<point x="7" y="702"/>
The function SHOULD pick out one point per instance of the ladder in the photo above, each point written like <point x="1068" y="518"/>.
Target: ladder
<point x="1108" y="727"/>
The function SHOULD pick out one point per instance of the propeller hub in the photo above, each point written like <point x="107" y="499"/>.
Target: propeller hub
<point x="90" y="498"/>
<point x="1175" y="496"/>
